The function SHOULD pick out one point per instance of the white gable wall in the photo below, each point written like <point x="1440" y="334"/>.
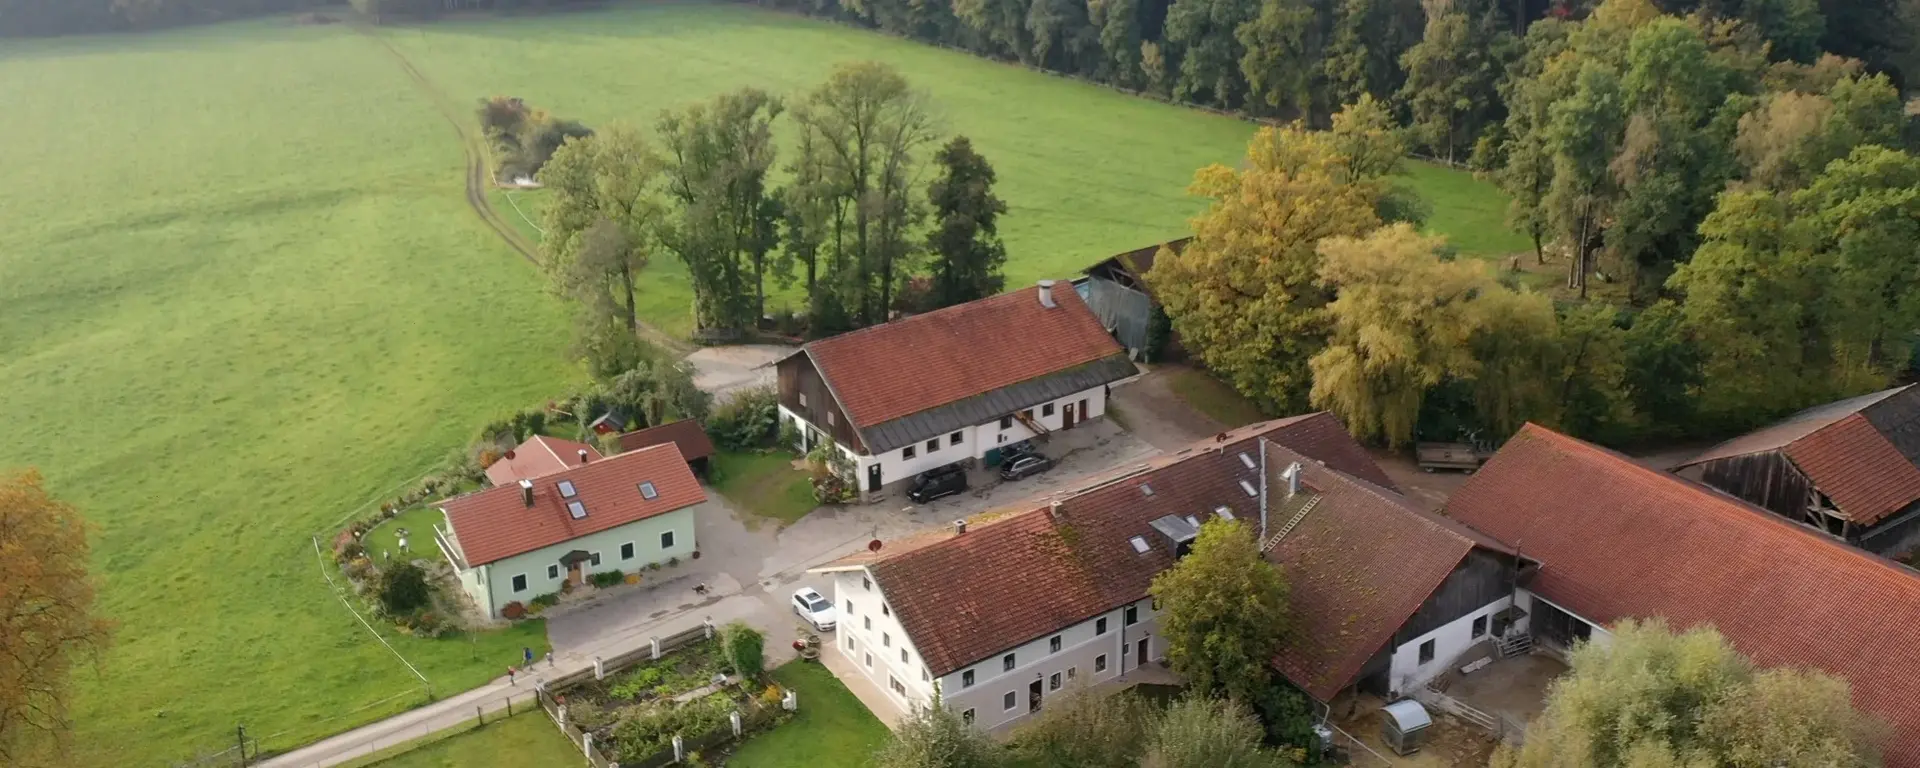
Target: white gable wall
<point x="872" y="638"/>
<point x="1449" y="641"/>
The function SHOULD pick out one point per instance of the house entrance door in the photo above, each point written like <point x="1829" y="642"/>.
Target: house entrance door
<point x="873" y="477"/>
<point x="1140" y="655"/>
<point x="1033" y="696"/>
<point x="1066" y="416"/>
<point x="574" y="576"/>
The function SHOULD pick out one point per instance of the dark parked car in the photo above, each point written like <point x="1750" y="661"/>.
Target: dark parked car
<point x="938" y="482"/>
<point x="1025" y="466"/>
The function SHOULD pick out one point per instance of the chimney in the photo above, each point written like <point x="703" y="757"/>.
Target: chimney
<point x="959" y="526"/>
<point x="1054" y="508"/>
<point x="526" y="493"/>
<point x="583" y="455"/>
<point x="1046" y="294"/>
<point x="1292" y="476"/>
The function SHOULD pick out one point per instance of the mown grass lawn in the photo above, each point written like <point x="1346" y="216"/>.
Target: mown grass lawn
<point x="418" y="522"/>
<point x="527" y="740"/>
<point x="763" y="484"/>
<point x="831" y="728"/>
<point x="243" y="297"/>
<point x="1086" y="172"/>
<point x="240" y="297"/>
<point x="1212" y="397"/>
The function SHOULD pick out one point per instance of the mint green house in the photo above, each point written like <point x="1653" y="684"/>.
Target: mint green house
<point x="536" y="535"/>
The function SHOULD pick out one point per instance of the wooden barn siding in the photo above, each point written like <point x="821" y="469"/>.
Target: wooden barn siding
<point x="1894" y="537"/>
<point x="1766" y="480"/>
<point x="1481" y="578"/>
<point x="797" y="375"/>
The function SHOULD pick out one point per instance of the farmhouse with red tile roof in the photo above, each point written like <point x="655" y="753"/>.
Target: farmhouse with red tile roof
<point x="1617" y="540"/>
<point x="1007" y="612"/>
<point x="539" y="456"/>
<point x="512" y="542"/>
<point x="1850" y="469"/>
<point x="953" y="384"/>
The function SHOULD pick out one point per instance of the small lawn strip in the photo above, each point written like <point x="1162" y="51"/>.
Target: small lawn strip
<point x="763" y="484"/>
<point x="1213" y="397"/>
<point x="526" y="739"/>
<point x="830" y="728"/>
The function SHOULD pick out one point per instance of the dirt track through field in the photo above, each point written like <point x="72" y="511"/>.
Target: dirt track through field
<point x="478" y="177"/>
<point x="477" y="183"/>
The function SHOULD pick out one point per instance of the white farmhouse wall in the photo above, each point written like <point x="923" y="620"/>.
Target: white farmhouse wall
<point x="976" y="440"/>
<point x="1080" y="648"/>
<point x="871" y="637"/>
<point x="491" y="585"/>
<point x="1449" y="641"/>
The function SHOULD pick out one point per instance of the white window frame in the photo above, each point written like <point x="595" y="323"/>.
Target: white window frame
<point x="1100" y="663"/>
<point x="553" y="572"/>
<point x="593" y="559"/>
<point x="627" y="551"/>
<point x="1009" y="701"/>
<point x="666" y="540"/>
<point x="518" y="583"/>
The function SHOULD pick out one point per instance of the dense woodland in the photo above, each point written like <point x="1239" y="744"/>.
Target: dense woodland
<point x="1735" y="227"/>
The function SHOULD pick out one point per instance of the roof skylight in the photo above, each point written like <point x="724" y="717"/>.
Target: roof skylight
<point x="1247" y="460"/>
<point x="1146" y="490"/>
<point x="1223" y="512"/>
<point x="1248" y="487"/>
<point x="1139" y="544"/>
<point x="577" y="510"/>
<point x="647" y="491"/>
<point x="566" y="489"/>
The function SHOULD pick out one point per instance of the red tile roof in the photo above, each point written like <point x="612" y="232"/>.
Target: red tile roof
<point x="1844" y="450"/>
<point x="495" y="524"/>
<point x="962" y="598"/>
<point x="539" y="456"/>
<point x="687" y="434"/>
<point x="1618" y="540"/>
<point x="925" y="361"/>
<point x="1855" y="466"/>
<point x="1358" y="565"/>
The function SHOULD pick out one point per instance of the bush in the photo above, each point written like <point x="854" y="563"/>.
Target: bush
<point x="513" y="611"/>
<point x="639" y="681"/>
<point x="547" y="600"/>
<point x="673" y="561"/>
<point x="744" y="649"/>
<point x="404" y="589"/>
<point x="746" y="422"/>
<point x="654" y="566"/>
<point x="637" y="738"/>
<point x="606" y="579"/>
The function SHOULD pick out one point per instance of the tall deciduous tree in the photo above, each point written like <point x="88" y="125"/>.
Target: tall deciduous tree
<point x="47" y="620"/>
<point x="1402" y="324"/>
<point x="1203" y="32"/>
<point x="1363" y="52"/>
<point x="1280" y="64"/>
<point x="1244" y="294"/>
<point x="724" y="220"/>
<point x="1223" y="613"/>
<point x="1653" y="698"/>
<point x="1198" y="732"/>
<point x="1452" y="76"/>
<point x="603" y="221"/>
<point x="1086" y="728"/>
<point x="861" y="133"/>
<point x="965" y="241"/>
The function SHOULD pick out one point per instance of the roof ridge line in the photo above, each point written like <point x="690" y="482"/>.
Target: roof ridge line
<point x="1722" y="501"/>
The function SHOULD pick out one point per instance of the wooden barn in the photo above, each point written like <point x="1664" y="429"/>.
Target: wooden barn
<point x="1116" y="290"/>
<point x="1849" y="469"/>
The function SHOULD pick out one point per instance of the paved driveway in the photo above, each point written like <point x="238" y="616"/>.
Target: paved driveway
<point x="725" y="370"/>
<point x="751" y="574"/>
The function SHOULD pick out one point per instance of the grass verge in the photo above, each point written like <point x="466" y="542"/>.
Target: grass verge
<point x="764" y="485"/>
<point x="831" y="727"/>
<point x="525" y="740"/>
<point x="1212" y="397"/>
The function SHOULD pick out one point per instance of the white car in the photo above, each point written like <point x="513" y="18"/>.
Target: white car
<point x="814" y="608"/>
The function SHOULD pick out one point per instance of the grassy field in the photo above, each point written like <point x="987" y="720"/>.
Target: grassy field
<point x="831" y="728"/>
<point x="763" y="484"/>
<point x="1212" y="397"/>
<point x="523" y="741"/>
<point x="1086" y="172"/>
<point x="243" y="297"/>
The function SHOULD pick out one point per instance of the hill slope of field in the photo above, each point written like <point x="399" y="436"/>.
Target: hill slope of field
<point x="241" y="295"/>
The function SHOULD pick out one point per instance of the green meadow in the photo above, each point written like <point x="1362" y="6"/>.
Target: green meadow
<point x="241" y="296"/>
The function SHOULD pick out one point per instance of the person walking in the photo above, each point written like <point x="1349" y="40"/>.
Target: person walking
<point x="510" y="675"/>
<point x="526" y="657"/>
<point x="549" y="659"/>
